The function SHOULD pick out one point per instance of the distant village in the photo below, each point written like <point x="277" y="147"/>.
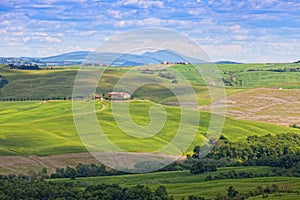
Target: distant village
<point x="29" y="62"/>
<point x="33" y="63"/>
<point x="177" y="63"/>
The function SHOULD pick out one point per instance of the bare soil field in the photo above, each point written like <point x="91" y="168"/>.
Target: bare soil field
<point x="21" y="164"/>
<point x="278" y="106"/>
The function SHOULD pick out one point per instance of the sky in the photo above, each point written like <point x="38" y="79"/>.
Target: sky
<point x="236" y="30"/>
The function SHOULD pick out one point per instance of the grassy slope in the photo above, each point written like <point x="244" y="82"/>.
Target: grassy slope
<point x="181" y="183"/>
<point x="288" y="80"/>
<point x="282" y="196"/>
<point x="59" y="82"/>
<point x="253" y="78"/>
<point x="28" y="128"/>
<point x="38" y="84"/>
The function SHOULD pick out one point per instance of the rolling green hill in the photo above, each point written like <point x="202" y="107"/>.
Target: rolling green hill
<point x="253" y="75"/>
<point x="47" y="127"/>
<point x="57" y="83"/>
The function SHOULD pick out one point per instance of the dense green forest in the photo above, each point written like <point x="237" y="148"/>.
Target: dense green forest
<point x="281" y="151"/>
<point x="29" y="187"/>
<point x="256" y="147"/>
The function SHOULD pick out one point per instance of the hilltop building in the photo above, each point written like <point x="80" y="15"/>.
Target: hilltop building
<point x="118" y="95"/>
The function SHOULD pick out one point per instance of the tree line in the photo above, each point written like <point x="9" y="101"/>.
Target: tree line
<point x="285" y="69"/>
<point x="84" y="170"/>
<point x="30" y="66"/>
<point x="26" y="187"/>
<point x="9" y="99"/>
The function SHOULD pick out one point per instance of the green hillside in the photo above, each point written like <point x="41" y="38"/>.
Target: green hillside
<point x="57" y="83"/>
<point x="47" y="127"/>
<point x="252" y="75"/>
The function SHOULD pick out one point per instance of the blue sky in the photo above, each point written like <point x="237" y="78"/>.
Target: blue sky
<point x="245" y="31"/>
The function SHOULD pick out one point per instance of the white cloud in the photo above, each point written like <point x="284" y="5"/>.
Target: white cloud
<point x="3" y="31"/>
<point x="18" y="33"/>
<point x="139" y="23"/>
<point x="223" y="52"/>
<point x="42" y="34"/>
<point x="237" y="29"/>
<point x="59" y="34"/>
<point x="74" y="32"/>
<point x="142" y="4"/>
<point x="52" y="39"/>
<point x="44" y="37"/>
<point x="155" y="22"/>
<point x="25" y="39"/>
<point x="118" y="14"/>
<point x="241" y="37"/>
<point x="5" y="23"/>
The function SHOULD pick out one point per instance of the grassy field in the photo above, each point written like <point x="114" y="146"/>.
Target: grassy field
<point x="285" y="196"/>
<point x="58" y="83"/>
<point x="37" y="84"/>
<point x="252" y="79"/>
<point x="182" y="183"/>
<point x="45" y="128"/>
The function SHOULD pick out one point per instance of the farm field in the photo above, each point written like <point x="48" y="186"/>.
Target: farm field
<point x="276" y="106"/>
<point x="182" y="183"/>
<point x="58" y="82"/>
<point x="252" y="75"/>
<point x="260" y="97"/>
<point x="26" y="129"/>
<point x="30" y="125"/>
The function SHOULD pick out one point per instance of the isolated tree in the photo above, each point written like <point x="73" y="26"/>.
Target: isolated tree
<point x="71" y="173"/>
<point x="43" y="174"/>
<point x="196" y="151"/>
<point x="231" y="192"/>
<point x="161" y="193"/>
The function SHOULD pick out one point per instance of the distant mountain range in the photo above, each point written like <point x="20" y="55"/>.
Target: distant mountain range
<point x="77" y="56"/>
<point x="117" y="59"/>
<point x="112" y="59"/>
<point x="227" y="62"/>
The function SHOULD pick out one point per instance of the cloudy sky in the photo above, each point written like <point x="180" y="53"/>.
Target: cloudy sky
<point x="245" y="31"/>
